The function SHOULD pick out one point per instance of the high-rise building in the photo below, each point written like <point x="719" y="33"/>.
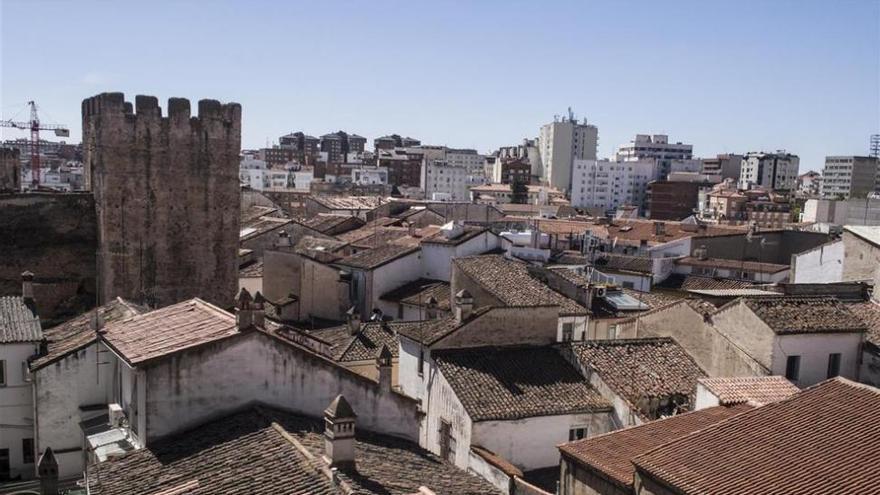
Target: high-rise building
<point x="726" y="165"/>
<point x="609" y="184"/>
<point x="305" y="147"/>
<point x="394" y="141"/>
<point x="655" y="147"/>
<point x="772" y="171"/>
<point x="339" y="144"/>
<point x="847" y="177"/>
<point x="561" y="142"/>
<point x="527" y="151"/>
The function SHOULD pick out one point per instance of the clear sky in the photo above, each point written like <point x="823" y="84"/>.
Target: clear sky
<point x="725" y="76"/>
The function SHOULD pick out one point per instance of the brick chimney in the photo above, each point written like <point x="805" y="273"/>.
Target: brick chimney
<point x="47" y="470"/>
<point x="244" y="317"/>
<point x="464" y="305"/>
<point x="339" y="421"/>
<point x="259" y="310"/>
<point x="385" y="365"/>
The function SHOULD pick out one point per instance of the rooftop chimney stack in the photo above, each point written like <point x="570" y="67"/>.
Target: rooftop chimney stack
<point x="354" y="320"/>
<point x="464" y="305"/>
<point x="283" y="240"/>
<point x="244" y="317"/>
<point x="27" y="291"/>
<point x="431" y="308"/>
<point x="385" y="365"/>
<point x="259" y="310"/>
<point x="339" y="421"/>
<point x="47" y="470"/>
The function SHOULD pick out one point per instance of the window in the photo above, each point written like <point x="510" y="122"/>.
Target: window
<point x="421" y="361"/>
<point x="612" y="332"/>
<point x="447" y="442"/>
<point x="27" y="450"/>
<point x="578" y="433"/>
<point x="25" y="372"/>
<point x="567" y="332"/>
<point x="2" y="373"/>
<point x="833" y="364"/>
<point x="628" y="285"/>
<point x="793" y="367"/>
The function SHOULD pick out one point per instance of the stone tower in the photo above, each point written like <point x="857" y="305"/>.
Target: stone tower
<point x="167" y="197"/>
<point x="10" y="170"/>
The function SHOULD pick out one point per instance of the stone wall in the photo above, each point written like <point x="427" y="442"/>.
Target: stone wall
<point x="55" y="236"/>
<point x="167" y="197"/>
<point x="10" y="170"/>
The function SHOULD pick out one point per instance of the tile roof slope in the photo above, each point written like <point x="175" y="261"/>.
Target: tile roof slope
<point x="468" y="234"/>
<point x="754" y="389"/>
<point x="611" y="454"/>
<point x="323" y="222"/>
<point x="251" y="270"/>
<point x="349" y="202"/>
<point x="418" y="291"/>
<point x="696" y="282"/>
<point x="804" y="314"/>
<point x="77" y="333"/>
<point x="241" y="453"/>
<point x="513" y="383"/>
<point x="575" y="278"/>
<point x="262" y="225"/>
<point x="639" y="369"/>
<point x="374" y="258"/>
<point x="868" y="233"/>
<point x="637" y="264"/>
<point x="164" y="331"/>
<point x="752" y="266"/>
<point x="373" y="236"/>
<point x="655" y="299"/>
<point x="17" y="322"/>
<point x="822" y="440"/>
<point x="869" y="313"/>
<point x="510" y="282"/>
<point x="364" y="345"/>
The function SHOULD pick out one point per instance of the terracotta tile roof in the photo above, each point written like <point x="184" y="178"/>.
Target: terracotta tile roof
<point x="509" y="281"/>
<point x="374" y="258"/>
<point x="754" y="389"/>
<point x="496" y="460"/>
<point x="349" y="202"/>
<point x="429" y="332"/>
<point x="823" y="440"/>
<point x="803" y="314"/>
<point x="696" y="282"/>
<point x="260" y="226"/>
<point x="869" y="313"/>
<point x="655" y="299"/>
<point x="168" y="330"/>
<point x="632" y="232"/>
<point x="328" y="222"/>
<point x="468" y="234"/>
<point x="642" y="369"/>
<point x="571" y="276"/>
<point x="77" y="333"/>
<point x="611" y="454"/>
<point x="624" y="264"/>
<point x="514" y="383"/>
<point x="265" y="451"/>
<point x="251" y="270"/>
<point x="417" y="293"/>
<point x="254" y="212"/>
<point x="373" y="237"/>
<point x="751" y="266"/>
<point x="365" y="344"/>
<point x="17" y="322"/>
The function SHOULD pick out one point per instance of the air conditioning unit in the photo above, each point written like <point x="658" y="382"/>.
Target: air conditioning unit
<point x="116" y="415"/>
<point x="600" y="291"/>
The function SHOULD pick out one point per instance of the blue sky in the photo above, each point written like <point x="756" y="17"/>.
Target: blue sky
<point x="725" y="76"/>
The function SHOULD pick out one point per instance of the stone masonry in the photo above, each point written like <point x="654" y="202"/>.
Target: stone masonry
<point x="10" y="170"/>
<point x="167" y="197"/>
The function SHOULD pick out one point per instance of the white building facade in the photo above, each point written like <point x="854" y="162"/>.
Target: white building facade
<point x="656" y="147"/>
<point x="561" y="143"/>
<point x="609" y="184"/>
<point x="849" y="176"/>
<point x="772" y="171"/>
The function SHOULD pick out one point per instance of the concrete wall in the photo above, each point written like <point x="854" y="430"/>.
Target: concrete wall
<point x="10" y="170"/>
<point x="387" y="277"/>
<point x="747" y="332"/>
<point x="498" y="478"/>
<point x="870" y="370"/>
<point x="823" y="264"/>
<point x="705" y="398"/>
<point x="575" y="479"/>
<point x="860" y="258"/>
<point x="814" y="350"/>
<point x="16" y="406"/>
<point x="62" y="389"/>
<point x="53" y="235"/>
<point x="167" y="197"/>
<point x="193" y="386"/>
<point x="778" y="247"/>
<point x="714" y="352"/>
<point x="530" y="443"/>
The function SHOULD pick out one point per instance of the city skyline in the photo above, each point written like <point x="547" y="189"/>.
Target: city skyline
<point x="724" y="78"/>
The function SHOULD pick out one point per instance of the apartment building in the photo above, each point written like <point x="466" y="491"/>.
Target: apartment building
<point x="561" y="143"/>
<point x="656" y="147"/>
<point x="726" y="165"/>
<point x="847" y="177"/>
<point x="772" y="171"/>
<point x="609" y="184"/>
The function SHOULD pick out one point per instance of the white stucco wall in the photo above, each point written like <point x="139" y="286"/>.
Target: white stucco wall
<point x="252" y="284"/>
<point x="814" y="350"/>
<point x="437" y="258"/>
<point x="391" y="276"/>
<point x="61" y="388"/>
<point x="441" y="403"/>
<point x="530" y="443"/>
<point x="705" y="398"/>
<point x="194" y="386"/>
<point x="823" y="264"/>
<point x="16" y="406"/>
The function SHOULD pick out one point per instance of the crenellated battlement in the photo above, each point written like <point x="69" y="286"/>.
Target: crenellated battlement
<point x="148" y="107"/>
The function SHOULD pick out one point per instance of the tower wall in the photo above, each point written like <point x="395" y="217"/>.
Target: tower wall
<point x="167" y="197"/>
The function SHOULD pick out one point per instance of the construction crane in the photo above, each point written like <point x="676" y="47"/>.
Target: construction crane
<point x="35" y="127"/>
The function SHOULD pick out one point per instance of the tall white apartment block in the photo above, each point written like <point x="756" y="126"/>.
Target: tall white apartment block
<point x="609" y="184"/>
<point x="563" y="142"/>
<point x="470" y="159"/>
<point x="655" y="147"/>
<point x="847" y="177"/>
<point x="772" y="171"/>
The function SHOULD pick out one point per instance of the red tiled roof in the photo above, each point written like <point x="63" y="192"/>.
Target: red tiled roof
<point x="869" y="313"/>
<point x="823" y="440"/>
<point x="611" y="454"/>
<point x="803" y="314"/>
<point x="168" y="330"/>
<point x="753" y="389"/>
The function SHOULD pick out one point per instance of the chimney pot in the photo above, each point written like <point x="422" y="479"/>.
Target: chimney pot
<point x="386" y="365"/>
<point x="245" y="316"/>
<point x="27" y="285"/>
<point x="259" y="310"/>
<point x="354" y="320"/>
